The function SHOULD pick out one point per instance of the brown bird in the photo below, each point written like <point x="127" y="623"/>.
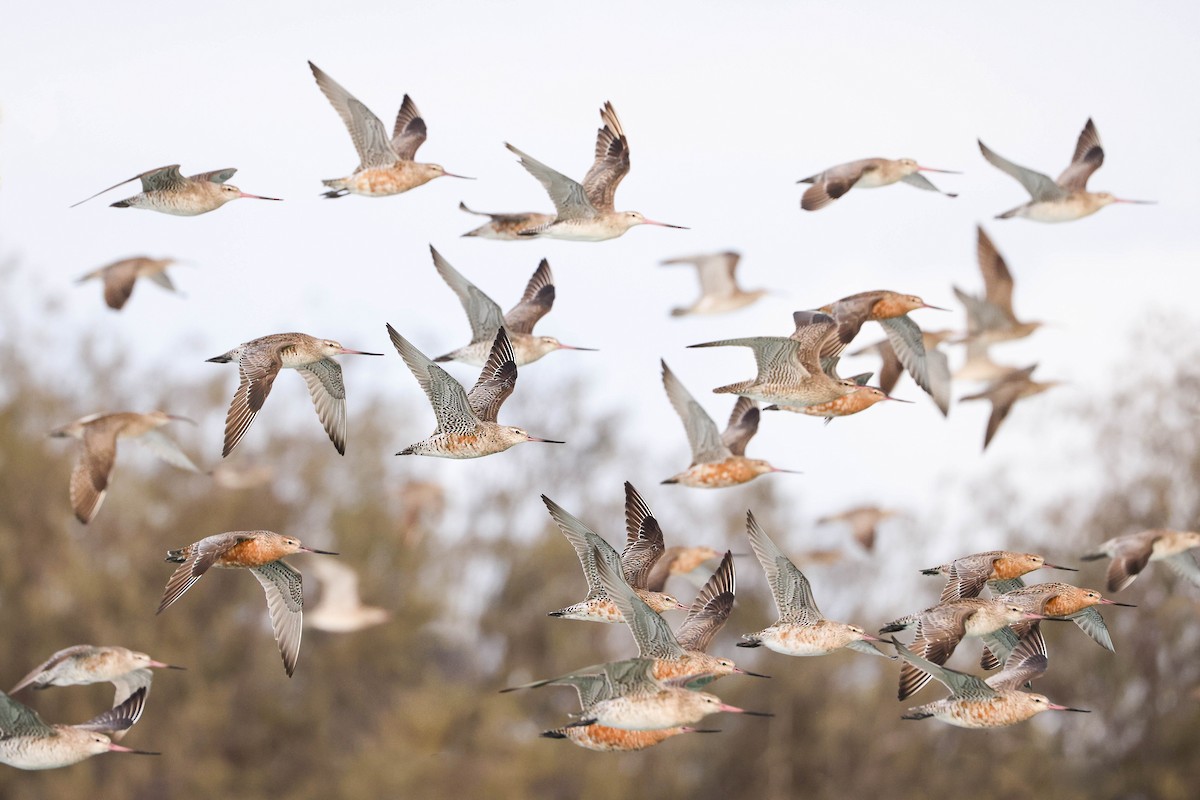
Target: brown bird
<point x="260" y="552"/>
<point x="1132" y="552"/>
<point x="990" y="319"/>
<point x="98" y="435"/>
<point x="1004" y="394"/>
<point x="507" y="227"/>
<point x="118" y="277"/>
<point x="966" y="576"/>
<point x="863" y="522"/>
<point x="166" y="190"/>
<point x="937" y="365"/>
<point x="866" y="173"/>
<point x="386" y="166"/>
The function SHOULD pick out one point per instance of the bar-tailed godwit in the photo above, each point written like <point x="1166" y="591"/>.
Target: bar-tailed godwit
<point x="866" y="173"/>
<point x="1067" y="198"/>
<point x="1132" y="552"/>
<point x="339" y="608"/>
<point x="26" y="742"/>
<point x="119" y="277"/>
<point x="990" y="319"/>
<point x="644" y="546"/>
<point x="261" y="553"/>
<point x="486" y="318"/>
<point x="466" y="423"/>
<point x="1004" y="394"/>
<point x="789" y="368"/>
<point x="1059" y="601"/>
<point x="259" y="361"/>
<point x="937" y="366"/>
<point x="859" y="399"/>
<point x="507" y="227"/>
<point x="863" y="521"/>
<point x="585" y="211"/>
<point x="942" y="627"/>
<point x="719" y="290"/>
<point x="166" y="190"/>
<point x="718" y="459"/>
<point x="975" y="703"/>
<point x="801" y="630"/>
<point x="615" y="740"/>
<point x="966" y="576"/>
<point x="385" y="165"/>
<point x="97" y="456"/>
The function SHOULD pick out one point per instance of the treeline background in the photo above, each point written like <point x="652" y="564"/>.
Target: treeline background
<point x="469" y="566"/>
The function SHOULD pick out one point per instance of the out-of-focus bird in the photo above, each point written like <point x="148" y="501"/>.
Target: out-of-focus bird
<point x="97" y="455"/>
<point x="1067" y="198"/>
<point x="801" y="629"/>
<point x="466" y="423"/>
<point x="863" y="521"/>
<point x="259" y="361"/>
<point x="385" y="165"/>
<point x="719" y="290"/>
<point x="1131" y="553"/>
<point x="339" y="608"/>
<point x="866" y="173"/>
<point x="975" y="703"/>
<point x="679" y="560"/>
<point x="261" y="553"/>
<point x="1005" y="392"/>
<point x="119" y="277"/>
<point x="789" y="368"/>
<point x="584" y="211"/>
<point x="26" y="742"/>
<point x="166" y="190"/>
<point x="990" y="319"/>
<point x="239" y="476"/>
<point x="507" y="227"/>
<point x="486" y="318"/>
<point x="718" y="459"/>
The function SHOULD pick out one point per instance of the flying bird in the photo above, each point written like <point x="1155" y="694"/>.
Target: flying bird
<point x="507" y="227"/>
<point x="97" y="453"/>
<point x="1004" y="394"/>
<point x="584" y="211"/>
<point x="1131" y="553"/>
<point x="466" y="423"/>
<point x="719" y="290"/>
<point x="385" y="166"/>
<point x="486" y="318"/>
<point x="1067" y="198"/>
<point x="261" y="553"/>
<point x="119" y="277"/>
<point x="259" y="361"/>
<point x="867" y="173"/>
<point x="166" y="190"/>
<point x="26" y="742"/>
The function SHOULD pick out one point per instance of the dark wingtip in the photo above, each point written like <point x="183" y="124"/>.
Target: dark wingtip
<point x="933" y="571"/>
<point x="556" y="734"/>
<point x="750" y="643"/>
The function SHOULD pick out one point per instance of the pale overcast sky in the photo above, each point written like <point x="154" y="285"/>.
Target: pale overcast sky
<point x="725" y="106"/>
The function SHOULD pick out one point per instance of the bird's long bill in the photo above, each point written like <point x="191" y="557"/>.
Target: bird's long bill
<point x="257" y="196"/>
<point x="897" y="399"/>
<point x="1106" y="602"/>
<point x="1136" y="203"/>
<point x="322" y="552"/>
<point x="935" y="308"/>
<point x="574" y="347"/>
<point x="931" y="169"/>
<point x="664" y="224"/>
<point x="453" y="175"/>
<point x="741" y="671"/>
<point x="346" y="351"/>
<point x="1031" y="615"/>
<point x="116" y="748"/>
<point x="737" y="710"/>
<point x="161" y="665"/>
<point x="547" y="441"/>
<point x="788" y="471"/>
<point x="1058" y="566"/>
<point x="1056" y="707"/>
<point x="686" y="729"/>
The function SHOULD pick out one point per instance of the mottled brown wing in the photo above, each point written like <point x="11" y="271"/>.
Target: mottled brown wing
<point x="496" y="382"/>
<point x="214" y="176"/>
<point x="643" y="539"/>
<point x="743" y="424"/>
<point x="535" y="303"/>
<point x="997" y="280"/>
<point x="710" y="610"/>
<point x="409" y="132"/>
<point x="198" y="558"/>
<point x="703" y="436"/>
<point x="611" y="164"/>
<point x="257" y="371"/>
<point x="1089" y="156"/>
<point x="119" y="279"/>
<point x="93" y="470"/>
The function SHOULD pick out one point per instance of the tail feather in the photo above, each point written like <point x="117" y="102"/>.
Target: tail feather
<point x="120" y="204"/>
<point x="734" y="388"/>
